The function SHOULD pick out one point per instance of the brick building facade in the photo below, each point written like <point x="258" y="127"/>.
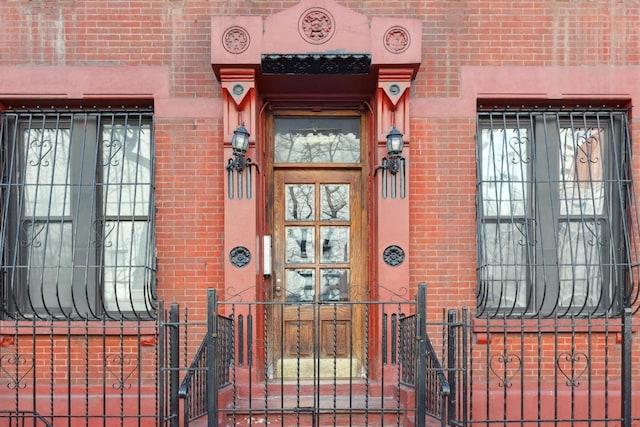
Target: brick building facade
<point x="512" y="193"/>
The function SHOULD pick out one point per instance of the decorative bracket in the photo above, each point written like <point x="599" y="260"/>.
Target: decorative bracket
<point x="239" y="100"/>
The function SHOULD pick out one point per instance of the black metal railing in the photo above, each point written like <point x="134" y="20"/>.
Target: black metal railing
<point x="25" y="418"/>
<point x="432" y="387"/>
<point x="252" y="382"/>
<point x="193" y="389"/>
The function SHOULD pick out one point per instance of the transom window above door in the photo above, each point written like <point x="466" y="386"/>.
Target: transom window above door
<point x="317" y="140"/>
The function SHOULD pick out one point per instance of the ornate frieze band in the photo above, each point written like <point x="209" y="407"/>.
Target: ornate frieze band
<point x="316" y="64"/>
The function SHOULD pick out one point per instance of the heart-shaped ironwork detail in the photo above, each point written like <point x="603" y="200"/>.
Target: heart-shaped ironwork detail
<point x="16" y="381"/>
<point x="505" y="367"/>
<point x="121" y="368"/>
<point x="572" y="366"/>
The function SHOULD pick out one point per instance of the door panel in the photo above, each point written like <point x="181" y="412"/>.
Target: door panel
<point x="319" y="266"/>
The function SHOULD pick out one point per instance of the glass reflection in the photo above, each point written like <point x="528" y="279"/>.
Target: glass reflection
<point x="300" y="244"/>
<point x="46" y="172"/>
<point x="126" y="166"/>
<point x="335" y="244"/>
<point x="300" y="200"/>
<point x="334" y="285"/>
<point x="317" y="140"/>
<point x="334" y="202"/>
<point x="300" y="285"/>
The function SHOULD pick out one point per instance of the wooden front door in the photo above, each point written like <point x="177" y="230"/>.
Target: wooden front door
<point x="319" y="270"/>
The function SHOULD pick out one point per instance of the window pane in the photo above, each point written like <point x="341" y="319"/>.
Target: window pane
<point x="49" y="262"/>
<point x="300" y="199"/>
<point x="334" y="202"/>
<point x="334" y="285"/>
<point x="46" y="172"/>
<point x="580" y="247"/>
<point x="581" y="171"/>
<point x="317" y="140"/>
<point x="505" y="171"/>
<point x="126" y="255"/>
<point x="126" y="163"/>
<point x="300" y="244"/>
<point x="300" y="285"/>
<point x="335" y="244"/>
<point x="504" y="272"/>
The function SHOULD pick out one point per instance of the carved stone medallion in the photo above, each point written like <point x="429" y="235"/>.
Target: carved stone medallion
<point x="396" y="39"/>
<point x="316" y="25"/>
<point x="236" y="40"/>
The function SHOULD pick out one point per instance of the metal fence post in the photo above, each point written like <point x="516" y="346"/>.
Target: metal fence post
<point x="174" y="364"/>
<point x="451" y="365"/>
<point x="162" y="386"/>
<point x="626" y="367"/>
<point x="421" y="356"/>
<point x="212" y="359"/>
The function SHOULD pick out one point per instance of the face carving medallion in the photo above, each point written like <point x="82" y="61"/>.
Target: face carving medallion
<point x="235" y="40"/>
<point x="316" y="25"/>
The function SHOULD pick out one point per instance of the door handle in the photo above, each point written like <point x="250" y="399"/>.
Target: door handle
<point x="278" y="288"/>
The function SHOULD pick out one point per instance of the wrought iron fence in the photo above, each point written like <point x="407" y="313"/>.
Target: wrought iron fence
<point x="554" y="372"/>
<point x="78" y="372"/>
<point x="251" y="385"/>
<point x="503" y="371"/>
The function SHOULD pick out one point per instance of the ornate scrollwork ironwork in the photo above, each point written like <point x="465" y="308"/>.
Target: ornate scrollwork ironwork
<point x="122" y="368"/>
<point x="572" y="366"/>
<point x="505" y="367"/>
<point x="16" y="380"/>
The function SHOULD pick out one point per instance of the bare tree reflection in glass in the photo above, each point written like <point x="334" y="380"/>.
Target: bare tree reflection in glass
<point x="317" y="140"/>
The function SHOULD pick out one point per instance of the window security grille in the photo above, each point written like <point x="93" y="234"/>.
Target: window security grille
<point x="76" y="200"/>
<point x="556" y="220"/>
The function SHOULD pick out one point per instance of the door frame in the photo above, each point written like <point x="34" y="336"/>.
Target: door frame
<point x="365" y="190"/>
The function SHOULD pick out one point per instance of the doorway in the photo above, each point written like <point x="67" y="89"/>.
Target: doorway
<point x="318" y="222"/>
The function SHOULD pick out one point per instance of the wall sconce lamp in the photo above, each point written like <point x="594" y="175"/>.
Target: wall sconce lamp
<point x="395" y="144"/>
<point x="393" y="166"/>
<point x="240" y="144"/>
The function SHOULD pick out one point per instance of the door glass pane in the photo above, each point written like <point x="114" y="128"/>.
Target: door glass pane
<point x="300" y="285"/>
<point x="334" y="202"/>
<point x="335" y="244"/>
<point x="334" y="285"/>
<point x="317" y="140"/>
<point x="300" y="244"/>
<point x="300" y="202"/>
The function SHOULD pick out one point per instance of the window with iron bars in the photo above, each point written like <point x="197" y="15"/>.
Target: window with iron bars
<point x="77" y="214"/>
<point x="555" y="215"/>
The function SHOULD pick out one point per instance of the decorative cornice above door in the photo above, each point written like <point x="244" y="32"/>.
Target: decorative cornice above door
<point x="321" y="28"/>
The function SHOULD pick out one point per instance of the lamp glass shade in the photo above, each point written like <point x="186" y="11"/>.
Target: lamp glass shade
<point x="394" y="142"/>
<point x="240" y="140"/>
